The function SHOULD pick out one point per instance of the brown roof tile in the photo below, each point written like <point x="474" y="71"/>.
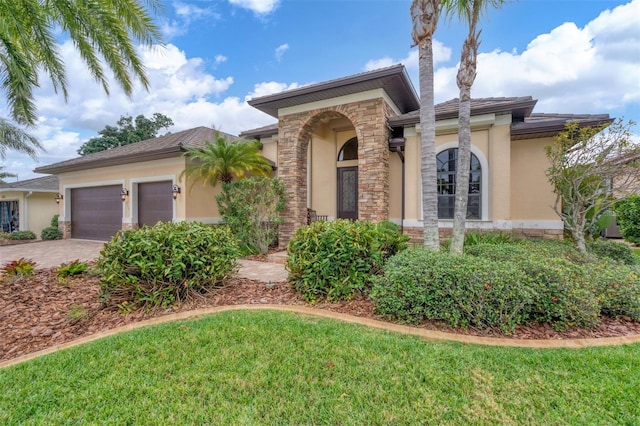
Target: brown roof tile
<point x="41" y="184"/>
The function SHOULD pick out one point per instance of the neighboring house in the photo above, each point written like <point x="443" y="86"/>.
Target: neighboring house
<point x="28" y="205"/>
<point x="346" y="148"/>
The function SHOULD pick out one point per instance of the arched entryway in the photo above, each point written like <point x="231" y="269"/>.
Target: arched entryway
<point x="311" y="175"/>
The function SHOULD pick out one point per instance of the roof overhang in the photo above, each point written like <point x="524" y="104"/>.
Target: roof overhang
<point x="394" y="80"/>
<point x="550" y="128"/>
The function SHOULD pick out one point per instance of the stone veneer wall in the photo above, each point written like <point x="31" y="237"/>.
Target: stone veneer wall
<point x="369" y="119"/>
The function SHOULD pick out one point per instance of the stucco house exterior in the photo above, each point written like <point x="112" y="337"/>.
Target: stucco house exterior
<point x="28" y="205"/>
<point x="346" y="148"/>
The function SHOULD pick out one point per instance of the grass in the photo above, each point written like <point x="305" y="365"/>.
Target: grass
<point x="636" y="251"/>
<point x="265" y="367"/>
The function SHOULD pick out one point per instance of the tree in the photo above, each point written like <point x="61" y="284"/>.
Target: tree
<point x="4" y="175"/>
<point x="251" y="208"/>
<point x="628" y="217"/>
<point x="103" y="32"/>
<point x="468" y="10"/>
<point x="225" y="161"/>
<point x="127" y="132"/>
<point x="14" y="138"/>
<point x="425" y="15"/>
<point x="590" y="168"/>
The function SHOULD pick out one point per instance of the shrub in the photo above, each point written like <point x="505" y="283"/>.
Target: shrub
<point x="54" y="220"/>
<point x="618" y="289"/>
<point x="390" y="239"/>
<point x="166" y="263"/>
<point x="75" y="267"/>
<point x="489" y="237"/>
<point x="334" y="260"/>
<point x="20" y="267"/>
<point x="51" y="233"/>
<point x="22" y="235"/>
<point x="251" y="208"/>
<point x="628" y="218"/>
<point x="461" y="290"/>
<point x="619" y="252"/>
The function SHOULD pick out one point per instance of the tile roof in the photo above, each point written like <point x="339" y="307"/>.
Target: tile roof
<point x="169" y="145"/>
<point x="540" y="125"/>
<point x="41" y="184"/>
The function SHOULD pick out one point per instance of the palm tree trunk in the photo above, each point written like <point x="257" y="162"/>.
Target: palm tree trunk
<point x="425" y="15"/>
<point x="466" y="76"/>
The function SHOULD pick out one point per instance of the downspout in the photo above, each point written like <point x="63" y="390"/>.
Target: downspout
<point x="397" y="145"/>
<point x="25" y="221"/>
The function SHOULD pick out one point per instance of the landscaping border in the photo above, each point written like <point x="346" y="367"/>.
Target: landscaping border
<point x="431" y="335"/>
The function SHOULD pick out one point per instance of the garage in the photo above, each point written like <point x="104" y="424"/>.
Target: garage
<point x="96" y="212"/>
<point x="155" y="203"/>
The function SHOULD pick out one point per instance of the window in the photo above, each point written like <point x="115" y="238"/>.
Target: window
<point x="349" y="150"/>
<point x="447" y="161"/>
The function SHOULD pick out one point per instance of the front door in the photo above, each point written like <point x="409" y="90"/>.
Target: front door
<point x="348" y="193"/>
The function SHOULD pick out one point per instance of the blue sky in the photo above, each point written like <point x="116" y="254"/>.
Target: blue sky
<point x="573" y="56"/>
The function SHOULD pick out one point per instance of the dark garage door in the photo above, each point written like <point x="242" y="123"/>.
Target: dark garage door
<point x="96" y="212"/>
<point x="155" y="203"/>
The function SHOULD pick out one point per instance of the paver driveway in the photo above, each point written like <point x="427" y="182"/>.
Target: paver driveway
<point x="48" y="254"/>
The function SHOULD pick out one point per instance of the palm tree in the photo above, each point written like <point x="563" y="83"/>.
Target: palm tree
<point x="425" y="15"/>
<point x="101" y="30"/>
<point x="468" y="10"/>
<point x="225" y="161"/>
<point x="4" y="175"/>
<point x="12" y="137"/>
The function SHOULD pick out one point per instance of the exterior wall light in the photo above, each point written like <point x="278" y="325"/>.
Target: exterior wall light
<point x="124" y="192"/>
<point x="175" y="190"/>
<point x="58" y="198"/>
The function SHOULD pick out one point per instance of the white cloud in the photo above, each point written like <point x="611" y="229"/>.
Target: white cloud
<point x="186" y="14"/>
<point x="260" y="7"/>
<point x="220" y="59"/>
<point x="441" y="53"/>
<point x="572" y="70"/>
<point x="280" y="51"/>
<point x="269" y="88"/>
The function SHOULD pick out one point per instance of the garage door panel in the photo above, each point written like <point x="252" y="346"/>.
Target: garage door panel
<point x="96" y="212"/>
<point x="155" y="203"/>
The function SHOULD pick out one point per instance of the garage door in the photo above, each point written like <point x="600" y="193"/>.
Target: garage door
<point x="96" y="212"/>
<point x="155" y="203"/>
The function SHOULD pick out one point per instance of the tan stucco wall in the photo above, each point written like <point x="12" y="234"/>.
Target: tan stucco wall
<point x="532" y="195"/>
<point x="35" y="211"/>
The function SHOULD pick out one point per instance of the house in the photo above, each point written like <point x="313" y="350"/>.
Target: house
<point x="28" y="205"/>
<point x="346" y="148"/>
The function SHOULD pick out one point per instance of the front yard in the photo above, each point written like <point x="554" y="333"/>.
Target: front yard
<point x="264" y="367"/>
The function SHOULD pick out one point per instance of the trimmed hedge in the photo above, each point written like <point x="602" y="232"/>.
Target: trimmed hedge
<point x="628" y="218"/>
<point x="461" y="290"/>
<point x="21" y="235"/>
<point x="620" y="252"/>
<point x="166" y="263"/>
<point x="335" y="260"/>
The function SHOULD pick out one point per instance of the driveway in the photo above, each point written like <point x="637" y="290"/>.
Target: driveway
<point x="49" y="254"/>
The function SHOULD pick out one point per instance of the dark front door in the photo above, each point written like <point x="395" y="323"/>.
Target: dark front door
<point x="96" y="212"/>
<point x="155" y="203"/>
<point x="348" y="193"/>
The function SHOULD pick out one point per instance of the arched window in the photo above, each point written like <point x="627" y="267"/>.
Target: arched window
<point x="447" y="162"/>
<point x="349" y="150"/>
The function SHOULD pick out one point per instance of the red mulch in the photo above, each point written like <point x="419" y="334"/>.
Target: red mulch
<point x="38" y="311"/>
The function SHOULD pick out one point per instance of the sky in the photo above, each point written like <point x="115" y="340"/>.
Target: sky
<point x="573" y="56"/>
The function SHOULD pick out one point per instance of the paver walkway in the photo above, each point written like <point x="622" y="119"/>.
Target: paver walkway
<point x="49" y="254"/>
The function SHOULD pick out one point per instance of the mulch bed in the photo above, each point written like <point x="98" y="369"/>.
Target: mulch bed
<point x="39" y="311"/>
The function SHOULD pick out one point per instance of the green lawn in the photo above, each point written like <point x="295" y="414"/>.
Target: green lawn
<point x="266" y="367"/>
<point x="636" y="251"/>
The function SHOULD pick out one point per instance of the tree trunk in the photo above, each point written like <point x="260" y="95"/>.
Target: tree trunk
<point x="466" y="76"/>
<point x="428" y="149"/>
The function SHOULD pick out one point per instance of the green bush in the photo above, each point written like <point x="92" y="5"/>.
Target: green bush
<point x="618" y="288"/>
<point x="75" y="267"/>
<point x="619" y="252"/>
<point x="54" y="220"/>
<point x="462" y="290"/>
<point x="51" y="233"/>
<point x="390" y="239"/>
<point x="251" y="208"/>
<point x="166" y="263"/>
<point x="472" y="238"/>
<point x="22" y="235"/>
<point x="334" y="260"/>
<point x="628" y="218"/>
